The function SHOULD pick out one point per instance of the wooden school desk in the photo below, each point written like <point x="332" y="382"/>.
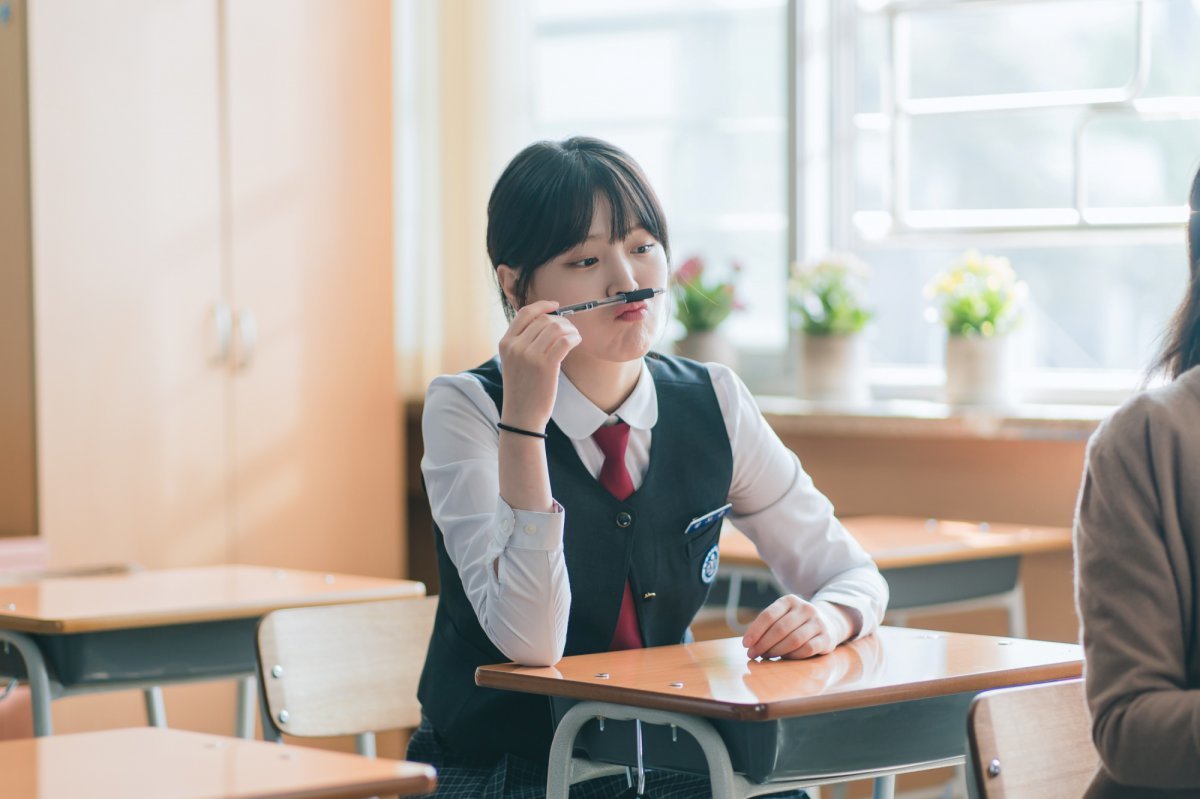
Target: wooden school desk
<point x="886" y="704"/>
<point x="150" y="763"/>
<point x="930" y="564"/>
<point x="75" y="635"/>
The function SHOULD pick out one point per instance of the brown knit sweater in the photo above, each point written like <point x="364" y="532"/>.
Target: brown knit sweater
<point x="1137" y="544"/>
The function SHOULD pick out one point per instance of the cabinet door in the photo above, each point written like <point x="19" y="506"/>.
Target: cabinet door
<point x="132" y="452"/>
<point x="316" y="448"/>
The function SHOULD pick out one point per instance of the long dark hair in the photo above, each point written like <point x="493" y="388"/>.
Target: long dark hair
<point x="543" y="203"/>
<point x="1182" y="348"/>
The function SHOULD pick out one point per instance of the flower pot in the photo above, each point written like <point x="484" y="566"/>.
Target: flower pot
<point x="834" y="368"/>
<point x="979" y="371"/>
<point x="707" y="345"/>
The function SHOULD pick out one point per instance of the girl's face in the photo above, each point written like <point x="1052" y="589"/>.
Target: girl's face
<point x="598" y="268"/>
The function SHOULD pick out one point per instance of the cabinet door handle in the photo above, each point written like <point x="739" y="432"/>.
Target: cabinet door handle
<point x="247" y="326"/>
<point x="222" y="319"/>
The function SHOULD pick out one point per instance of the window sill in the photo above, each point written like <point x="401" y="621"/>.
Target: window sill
<point x="1062" y="405"/>
<point x="899" y="418"/>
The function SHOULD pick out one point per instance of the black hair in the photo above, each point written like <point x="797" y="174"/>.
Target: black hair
<point x="1182" y="348"/>
<point x="543" y="203"/>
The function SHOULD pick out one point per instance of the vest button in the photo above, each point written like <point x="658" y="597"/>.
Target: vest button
<point x="624" y="519"/>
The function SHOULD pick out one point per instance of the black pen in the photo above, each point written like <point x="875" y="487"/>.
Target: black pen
<point x="628" y="296"/>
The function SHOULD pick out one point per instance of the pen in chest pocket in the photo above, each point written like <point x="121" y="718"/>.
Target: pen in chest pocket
<point x="700" y="522"/>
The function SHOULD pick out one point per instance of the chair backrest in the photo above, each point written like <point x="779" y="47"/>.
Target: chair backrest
<point x="1031" y="742"/>
<point x="345" y="669"/>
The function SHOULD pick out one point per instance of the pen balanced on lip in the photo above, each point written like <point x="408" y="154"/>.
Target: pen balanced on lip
<point x="628" y="296"/>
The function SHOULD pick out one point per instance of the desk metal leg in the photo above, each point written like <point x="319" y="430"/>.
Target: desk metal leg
<point x="156" y="710"/>
<point x="1016" y="612"/>
<point x="247" y="688"/>
<point x="885" y="787"/>
<point x="558" y="780"/>
<point x="39" y="679"/>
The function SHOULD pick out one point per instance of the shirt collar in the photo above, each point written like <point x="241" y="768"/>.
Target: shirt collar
<point x="578" y="416"/>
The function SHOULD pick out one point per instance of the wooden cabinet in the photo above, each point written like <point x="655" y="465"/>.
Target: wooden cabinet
<point x="211" y="239"/>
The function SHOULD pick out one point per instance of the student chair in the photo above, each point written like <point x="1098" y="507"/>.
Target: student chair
<point x="1032" y="742"/>
<point x="344" y="669"/>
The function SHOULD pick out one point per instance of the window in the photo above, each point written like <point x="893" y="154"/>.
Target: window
<point x="1060" y="133"/>
<point x="696" y="92"/>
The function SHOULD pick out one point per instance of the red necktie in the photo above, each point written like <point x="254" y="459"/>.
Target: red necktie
<point x="615" y="477"/>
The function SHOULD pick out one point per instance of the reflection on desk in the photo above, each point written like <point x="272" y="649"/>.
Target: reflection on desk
<point x="715" y="679"/>
<point x="149" y="763"/>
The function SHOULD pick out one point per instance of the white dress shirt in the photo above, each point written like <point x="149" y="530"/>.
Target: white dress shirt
<point x="511" y="561"/>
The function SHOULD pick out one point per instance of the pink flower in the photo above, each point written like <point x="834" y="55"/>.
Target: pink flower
<point x="690" y="270"/>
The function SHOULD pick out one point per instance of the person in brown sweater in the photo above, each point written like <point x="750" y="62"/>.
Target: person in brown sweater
<point x="1137" y="545"/>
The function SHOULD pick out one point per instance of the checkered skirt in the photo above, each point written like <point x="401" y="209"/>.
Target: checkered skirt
<point x="514" y="777"/>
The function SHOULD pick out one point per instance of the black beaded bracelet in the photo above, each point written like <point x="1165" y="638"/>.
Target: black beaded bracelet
<point x="519" y="431"/>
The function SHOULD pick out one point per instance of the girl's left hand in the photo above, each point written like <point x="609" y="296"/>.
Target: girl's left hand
<point x="791" y="627"/>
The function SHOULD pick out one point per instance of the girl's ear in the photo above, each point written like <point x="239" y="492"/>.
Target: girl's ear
<point x="508" y="284"/>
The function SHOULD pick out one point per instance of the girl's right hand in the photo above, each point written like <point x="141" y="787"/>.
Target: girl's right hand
<point x="531" y="354"/>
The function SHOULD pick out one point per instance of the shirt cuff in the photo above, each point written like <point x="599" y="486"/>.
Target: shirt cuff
<point x="526" y="529"/>
<point x="859" y="604"/>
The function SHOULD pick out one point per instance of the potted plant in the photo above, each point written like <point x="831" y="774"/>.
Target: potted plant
<point x="701" y="306"/>
<point x="827" y="305"/>
<point x="980" y="302"/>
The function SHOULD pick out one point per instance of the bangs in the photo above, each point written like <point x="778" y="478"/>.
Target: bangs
<point x="543" y="204"/>
<point x="558" y="209"/>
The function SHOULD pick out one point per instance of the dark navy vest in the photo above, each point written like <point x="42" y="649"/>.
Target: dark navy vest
<point x="606" y="542"/>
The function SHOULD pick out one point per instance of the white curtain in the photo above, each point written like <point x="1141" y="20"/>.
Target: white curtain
<point x="461" y="90"/>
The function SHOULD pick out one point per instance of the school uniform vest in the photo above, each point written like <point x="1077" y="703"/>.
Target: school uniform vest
<point x="606" y="541"/>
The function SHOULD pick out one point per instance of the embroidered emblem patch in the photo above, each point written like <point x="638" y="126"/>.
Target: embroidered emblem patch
<point x="708" y="571"/>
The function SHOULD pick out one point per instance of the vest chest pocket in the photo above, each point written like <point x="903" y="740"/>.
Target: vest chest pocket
<point x="702" y="540"/>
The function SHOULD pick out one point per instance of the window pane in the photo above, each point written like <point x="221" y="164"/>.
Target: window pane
<point x="1022" y="48"/>
<point x="1133" y="162"/>
<point x="993" y="161"/>
<point x="695" y="93"/>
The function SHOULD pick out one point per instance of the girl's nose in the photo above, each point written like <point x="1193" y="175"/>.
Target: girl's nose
<point x="623" y="278"/>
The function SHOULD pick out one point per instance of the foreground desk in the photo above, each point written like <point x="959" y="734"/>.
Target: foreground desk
<point x="890" y="703"/>
<point x="75" y="635"/>
<point x="149" y="763"/>
<point x="929" y="564"/>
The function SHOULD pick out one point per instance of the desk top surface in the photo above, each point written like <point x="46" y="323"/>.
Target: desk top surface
<point x="715" y="679"/>
<point x="181" y="596"/>
<point x="173" y="764"/>
<point x="900" y="541"/>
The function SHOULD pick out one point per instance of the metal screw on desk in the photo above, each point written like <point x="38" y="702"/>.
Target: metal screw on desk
<point x="11" y="606"/>
<point x="676" y="685"/>
<point x="277" y="671"/>
<point x="283" y="717"/>
<point x="674" y="733"/>
<point x="994" y="768"/>
<point x="602" y="675"/>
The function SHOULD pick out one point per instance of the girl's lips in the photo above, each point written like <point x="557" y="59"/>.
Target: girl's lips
<point x="634" y="312"/>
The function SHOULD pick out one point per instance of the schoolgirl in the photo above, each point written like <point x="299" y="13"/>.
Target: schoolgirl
<point x="578" y="481"/>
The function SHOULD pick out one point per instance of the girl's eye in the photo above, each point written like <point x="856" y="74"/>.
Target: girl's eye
<point x="586" y="262"/>
<point x="645" y="248"/>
